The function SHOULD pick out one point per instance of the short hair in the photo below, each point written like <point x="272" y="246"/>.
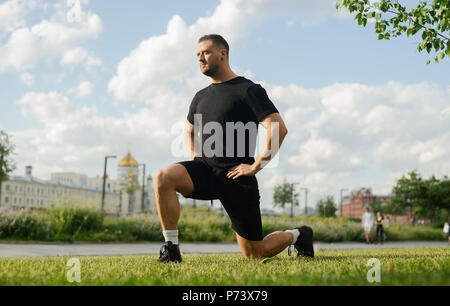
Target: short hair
<point x="217" y="40"/>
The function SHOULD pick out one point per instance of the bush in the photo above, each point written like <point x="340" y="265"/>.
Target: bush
<point x="24" y="225"/>
<point x="201" y="224"/>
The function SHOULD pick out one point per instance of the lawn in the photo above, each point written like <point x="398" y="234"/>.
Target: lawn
<point x="416" y="266"/>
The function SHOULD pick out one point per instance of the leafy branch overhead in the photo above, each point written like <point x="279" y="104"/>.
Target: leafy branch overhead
<point x="392" y="19"/>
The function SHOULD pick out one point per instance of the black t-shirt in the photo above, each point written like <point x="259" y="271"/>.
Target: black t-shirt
<point x="235" y="107"/>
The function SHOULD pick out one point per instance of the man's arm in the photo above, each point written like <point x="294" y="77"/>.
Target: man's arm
<point x="276" y="131"/>
<point x="190" y="138"/>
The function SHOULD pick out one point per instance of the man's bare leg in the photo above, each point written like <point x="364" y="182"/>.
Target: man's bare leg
<point x="168" y="182"/>
<point x="271" y="245"/>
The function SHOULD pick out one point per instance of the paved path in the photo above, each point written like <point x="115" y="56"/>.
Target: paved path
<point x="84" y="249"/>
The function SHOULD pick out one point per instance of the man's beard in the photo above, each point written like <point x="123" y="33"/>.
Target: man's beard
<point x="212" y="71"/>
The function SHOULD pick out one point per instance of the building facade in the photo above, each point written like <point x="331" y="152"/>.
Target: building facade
<point x="76" y="189"/>
<point x="353" y="206"/>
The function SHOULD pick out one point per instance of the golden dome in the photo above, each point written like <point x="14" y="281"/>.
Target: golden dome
<point x="149" y="178"/>
<point x="128" y="161"/>
<point x="131" y="174"/>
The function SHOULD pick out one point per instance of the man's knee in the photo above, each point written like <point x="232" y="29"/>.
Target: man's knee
<point x="174" y="177"/>
<point x="163" y="179"/>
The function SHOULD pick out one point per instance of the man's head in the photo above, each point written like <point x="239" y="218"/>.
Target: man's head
<point x="212" y="54"/>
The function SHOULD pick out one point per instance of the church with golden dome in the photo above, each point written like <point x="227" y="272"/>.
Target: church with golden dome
<point x="123" y="196"/>
<point x="130" y="180"/>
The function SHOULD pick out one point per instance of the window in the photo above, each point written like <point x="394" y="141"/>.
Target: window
<point x="7" y="187"/>
<point x="15" y="200"/>
<point x="15" y="188"/>
<point x="6" y="199"/>
<point x="20" y="189"/>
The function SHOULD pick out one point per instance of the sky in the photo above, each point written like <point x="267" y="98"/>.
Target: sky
<point x="83" y="79"/>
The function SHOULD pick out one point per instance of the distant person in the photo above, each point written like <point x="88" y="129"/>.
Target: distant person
<point x="388" y="221"/>
<point x="379" y="232"/>
<point x="367" y="222"/>
<point x="447" y="229"/>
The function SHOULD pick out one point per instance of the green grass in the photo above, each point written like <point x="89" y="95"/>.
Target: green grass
<point x="418" y="266"/>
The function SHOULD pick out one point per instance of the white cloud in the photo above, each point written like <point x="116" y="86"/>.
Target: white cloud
<point x="47" y="39"/>
<point x="83" y="89"/>
<point x="170" y="58"/>
<point x="12" y="14"/>
<point x="80" y="55"/>
<point x="27" y="78"/>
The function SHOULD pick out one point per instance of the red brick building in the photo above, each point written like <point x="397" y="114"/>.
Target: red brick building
<point x="353" y="205"/>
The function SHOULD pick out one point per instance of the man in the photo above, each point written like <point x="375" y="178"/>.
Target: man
<point x="224" y="167"/>
<point x="367" y="222"/>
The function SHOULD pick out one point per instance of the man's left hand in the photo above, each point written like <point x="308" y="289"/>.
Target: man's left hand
<point x="241" y="170"/>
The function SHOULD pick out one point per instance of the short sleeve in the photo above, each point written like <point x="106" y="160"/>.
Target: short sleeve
<point x="258" y="101"/>
<point x="192" y="110"/>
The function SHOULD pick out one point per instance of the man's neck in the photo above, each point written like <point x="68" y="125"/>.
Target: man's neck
<point x="224" y="77"/>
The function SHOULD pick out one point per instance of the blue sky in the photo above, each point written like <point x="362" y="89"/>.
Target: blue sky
<point x="360" y="111"/>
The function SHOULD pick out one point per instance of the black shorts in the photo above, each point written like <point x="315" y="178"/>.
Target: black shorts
<point x="239" y="197"/>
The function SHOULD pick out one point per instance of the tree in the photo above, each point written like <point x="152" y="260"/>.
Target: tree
<point x="376" y="206"/>
<point x="425" y="198"/>
<point x="327" y="207"/>
<point x="130" y="185"/>
<point x="6" y="163"/>
<point x="392" y="19"/>
<point x="284" y="193"/>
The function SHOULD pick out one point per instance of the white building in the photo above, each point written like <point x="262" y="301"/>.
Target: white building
<point x="78" y="189"/>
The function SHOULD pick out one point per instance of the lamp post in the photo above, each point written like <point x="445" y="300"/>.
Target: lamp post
<point x="102" y="211"/>
<point x="306" y="200"/>
<point x="340" y="209"/>
<point x="292" y="199"/>
<point x="143" y="188"/>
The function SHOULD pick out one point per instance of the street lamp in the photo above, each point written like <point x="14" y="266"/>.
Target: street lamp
<point x="143" y="188"/>
<point x="306" y="200"/>
<point x="103" y="189"/>
<point x="292" y="199"/>
<point x="343" y="189"/>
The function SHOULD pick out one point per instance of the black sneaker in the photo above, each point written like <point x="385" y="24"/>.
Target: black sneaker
<point x="169" y="253"/>
<point x="304" y="243"/>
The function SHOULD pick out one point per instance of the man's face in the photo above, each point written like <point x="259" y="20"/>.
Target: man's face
<point x="209" y="58"/>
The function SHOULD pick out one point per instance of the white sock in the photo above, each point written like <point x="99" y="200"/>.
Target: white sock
<point x="295" y="233"/>
<point x="171" y="236"/>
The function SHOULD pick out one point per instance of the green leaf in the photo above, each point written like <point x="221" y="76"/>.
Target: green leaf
<point x="441" y="55"/>
<point x="380" y="36"/>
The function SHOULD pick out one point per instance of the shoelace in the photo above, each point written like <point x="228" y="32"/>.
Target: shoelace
<point x="163" y="250"/>
<point x="289" y="250"/>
